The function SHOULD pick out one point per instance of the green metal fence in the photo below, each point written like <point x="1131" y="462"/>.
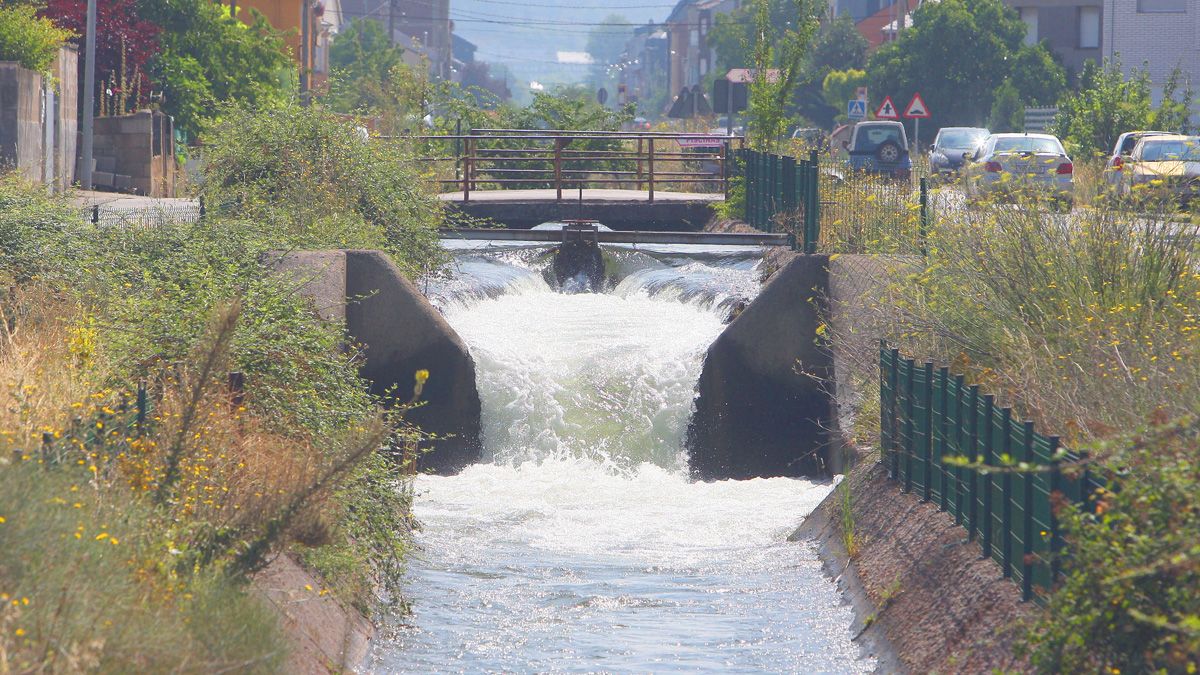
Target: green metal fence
<point x="928" y="415"/>
<point x="779" y="185"/>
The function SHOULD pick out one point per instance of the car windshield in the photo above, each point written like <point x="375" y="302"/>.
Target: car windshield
<point x="961" y="139"/>
<point x="1029" y="144"/>
<point x="1166" y="151"/>
<point x="868" y="139"/>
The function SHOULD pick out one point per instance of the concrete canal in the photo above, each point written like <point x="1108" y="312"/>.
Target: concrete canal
<point x="579" y="543"/>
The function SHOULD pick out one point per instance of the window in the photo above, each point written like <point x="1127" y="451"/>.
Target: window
<point x="1030" y="16"/>
<point x="1148" y="6"/>
<point x="1089" y="27"/>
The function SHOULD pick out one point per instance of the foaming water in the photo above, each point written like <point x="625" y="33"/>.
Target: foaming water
<point x="580" y="545"/>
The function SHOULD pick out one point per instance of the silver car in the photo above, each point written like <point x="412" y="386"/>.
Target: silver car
<point x="1010" y="164"/>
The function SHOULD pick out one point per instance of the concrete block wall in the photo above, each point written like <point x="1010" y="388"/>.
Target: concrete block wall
<point x="1161" y="40"/>
<point x="21" y="131"/>
<point x="135" y="153"/>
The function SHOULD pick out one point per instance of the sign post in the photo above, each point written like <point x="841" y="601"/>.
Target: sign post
<point x="917" y="111"/>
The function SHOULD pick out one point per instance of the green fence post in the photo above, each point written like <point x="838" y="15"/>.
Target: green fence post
<point x="909" y="422"/>
<point x="1006" y="531"/>
<point x="927" y="434"/>
<point x="959" y="442"/>
<point x="924" y="222"/>
<point x="885" y="395"/>
<point x="943" y="431"/>
<point x="1027" y="516"/>
<point x="989" y="449"/>
<point x="812" y="209"/>
<point x="973" y="456"/>
<point x="748" y="185"/>
<point x="1055" y="535"/>
<point x="895" y="412"/>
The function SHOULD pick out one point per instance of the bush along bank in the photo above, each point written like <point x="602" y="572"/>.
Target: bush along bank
<point x="174" y="417"/>
<point x="1086" y="324"/>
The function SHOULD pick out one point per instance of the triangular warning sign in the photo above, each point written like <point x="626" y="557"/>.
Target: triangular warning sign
<point x="916" y="108"/>
<point x="887" y="110"/>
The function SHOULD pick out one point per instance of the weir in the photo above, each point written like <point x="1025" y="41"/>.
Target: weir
<point x="580" y="542"/>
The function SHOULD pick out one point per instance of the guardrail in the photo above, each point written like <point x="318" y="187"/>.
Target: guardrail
<point x="569" y="160"/>
<point x="1005" y="496"/>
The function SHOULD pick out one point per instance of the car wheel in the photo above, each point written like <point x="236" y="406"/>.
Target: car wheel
<point x="888" y="152"/>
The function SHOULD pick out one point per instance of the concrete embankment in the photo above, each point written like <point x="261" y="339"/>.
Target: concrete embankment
<point x="765" y="401"/>
<point x="400" y="333"/>
<point x="924" y="598"/>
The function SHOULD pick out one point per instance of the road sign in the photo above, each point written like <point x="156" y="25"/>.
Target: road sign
<point x="856" y="109"/>
<point x="706" y="141"/>
<point x="887" y="110"/>
<point x="746" y="75"/>
<point x="916" y="108"/>
<point x="602" y="96"/>
<point x="860" y="93"/>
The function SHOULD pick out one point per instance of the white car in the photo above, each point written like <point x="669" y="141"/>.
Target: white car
<point x="1008" y="164"/>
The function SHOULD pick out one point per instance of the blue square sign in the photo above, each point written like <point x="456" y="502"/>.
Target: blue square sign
<point x="856" y="109"/>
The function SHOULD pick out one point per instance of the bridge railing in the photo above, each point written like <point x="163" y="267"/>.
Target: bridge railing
<point x="497" y="159"/>
<point x="1004" y="494"/>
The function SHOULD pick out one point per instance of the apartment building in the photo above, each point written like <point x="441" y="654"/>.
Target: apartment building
<point x="1160" y="34"/>
<point x="1072" y="29"/>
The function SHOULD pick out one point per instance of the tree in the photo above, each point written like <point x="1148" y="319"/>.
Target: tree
<point x="208" y="57"/>
<point x="1008" y="114"/>
<point x="839" y="46"/>
<point x="957" y="53"/>
<point x="362" y="59"/>
<point x="1109" y="104"/>
<point x="840" y="86"/>
<point x="125" y="44"/>
<point x="28" y="39"/>
<point x="1038" y="79"/>
<point x="782" y="48"/>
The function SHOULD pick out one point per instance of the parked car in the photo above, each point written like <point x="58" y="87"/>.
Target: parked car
<point x="880" y="147"/>
<point x="812" y="139"/>
<point x="1121" y="151"/>
<point x="946" y="153"/>
<point x="1170" y="161"/>
<point x="1032" y="164"/>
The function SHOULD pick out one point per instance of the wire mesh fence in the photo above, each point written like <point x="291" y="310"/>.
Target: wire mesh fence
<point x="147" y="214"/>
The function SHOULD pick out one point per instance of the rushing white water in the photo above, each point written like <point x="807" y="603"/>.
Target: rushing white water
<point x="580" y="545"/>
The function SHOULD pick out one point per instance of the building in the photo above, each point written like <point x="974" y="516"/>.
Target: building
<point x="690" y="55"/>
<point x="1160" y="34"/>
<point x="422" y="27"/>
<point x="1071" y="29"/>
<point x="644" y="67"/>
<point x="318" y="20"/>
<point x="885" y="23"/>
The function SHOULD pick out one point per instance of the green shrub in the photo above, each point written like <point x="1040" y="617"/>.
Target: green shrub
<point x="29" y="40"/>
<point x="307" y="176"/>
<point x="1130" y="602"/>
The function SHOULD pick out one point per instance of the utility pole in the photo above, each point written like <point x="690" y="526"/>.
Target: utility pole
<point x="89" y="93"/>
<point x="304" y="52"/>
<point x="391" y="22"/>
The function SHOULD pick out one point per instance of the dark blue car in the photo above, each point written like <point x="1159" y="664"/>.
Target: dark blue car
<point x="946" y="153"/>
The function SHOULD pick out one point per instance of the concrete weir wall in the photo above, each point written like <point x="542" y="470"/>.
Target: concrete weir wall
<point x="400" y="333"/>
<point x="766" y="400"/>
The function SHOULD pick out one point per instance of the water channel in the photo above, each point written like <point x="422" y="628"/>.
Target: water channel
<point x="580" y="544"/>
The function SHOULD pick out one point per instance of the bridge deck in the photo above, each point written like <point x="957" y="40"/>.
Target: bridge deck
<point x="632" y="237"/>
<point x="589" y="195"/>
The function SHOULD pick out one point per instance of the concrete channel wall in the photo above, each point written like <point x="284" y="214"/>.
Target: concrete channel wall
<point x="399" y="333"/>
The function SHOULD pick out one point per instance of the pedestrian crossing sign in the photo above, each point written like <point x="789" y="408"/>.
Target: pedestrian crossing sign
<point x="856" y="109"/>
